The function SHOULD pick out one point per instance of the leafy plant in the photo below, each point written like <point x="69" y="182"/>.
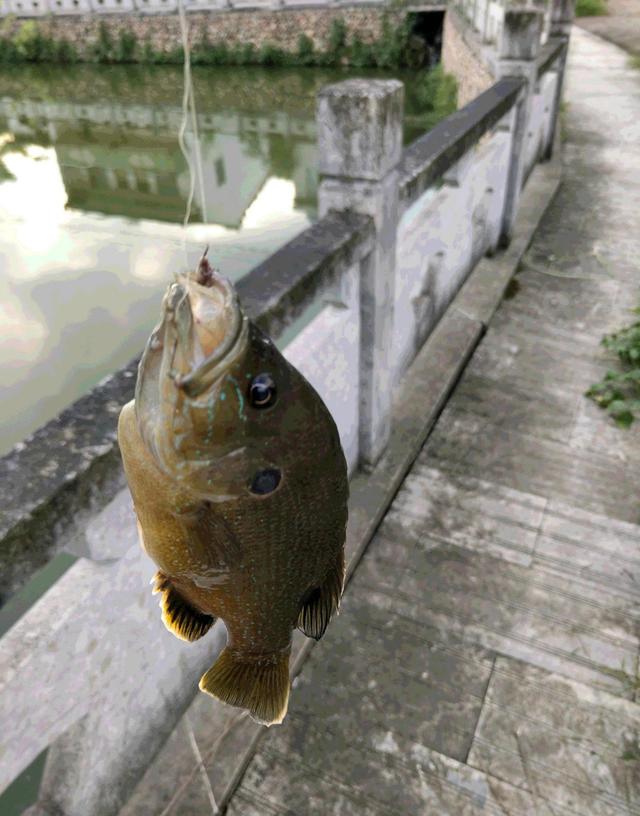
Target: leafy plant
<point x="591" y="8"/>
<point x="126" y="47"/>
<point x="28" y="41"/>
<point x="619" y="391"/>
<point x="272" y="55"/>
<point x="306" y="53"/>
<point x="437" y="95"/>
<point x="104" y="44"/>
<point x="337" y="36"/>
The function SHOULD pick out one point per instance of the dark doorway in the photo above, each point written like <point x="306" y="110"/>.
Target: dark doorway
<point x="426" y="32"/>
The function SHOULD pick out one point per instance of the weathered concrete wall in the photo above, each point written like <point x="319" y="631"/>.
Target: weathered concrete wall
<point x="460" y="59"/>
<point x="281" y="28"/>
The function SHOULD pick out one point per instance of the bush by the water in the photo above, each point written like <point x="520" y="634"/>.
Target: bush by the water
<point x="30" y="45"/>
<point x="619" y="391"/>
<point x="395" y="48"/>
<point x="437" y="95"/>
<point x="591" y="8"/>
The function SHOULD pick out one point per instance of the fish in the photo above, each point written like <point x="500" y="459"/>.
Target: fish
<point x="240" y="488"/>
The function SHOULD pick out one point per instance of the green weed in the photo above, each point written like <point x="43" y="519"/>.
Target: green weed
<point x="619" y="391"/>
<point x="591" y="8"/>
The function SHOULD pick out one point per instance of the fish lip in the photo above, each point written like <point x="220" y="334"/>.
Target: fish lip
<point x="209" y="370"/>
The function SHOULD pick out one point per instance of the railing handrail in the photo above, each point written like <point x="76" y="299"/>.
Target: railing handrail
<point x="155" y="7"/>
<point x="430" y="156"/>
<point x="549" y="53"/>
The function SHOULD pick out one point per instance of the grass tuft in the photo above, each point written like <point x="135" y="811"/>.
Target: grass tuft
<point x="591" y="8"/>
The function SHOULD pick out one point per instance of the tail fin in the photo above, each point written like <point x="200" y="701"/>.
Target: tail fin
<point x="260" y="685"/>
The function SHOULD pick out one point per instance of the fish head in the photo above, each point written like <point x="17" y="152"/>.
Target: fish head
<point x="217" y="405"/>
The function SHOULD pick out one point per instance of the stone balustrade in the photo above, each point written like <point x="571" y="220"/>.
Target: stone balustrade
<point x="399" y="233"/>
<point x="39" y="8"/>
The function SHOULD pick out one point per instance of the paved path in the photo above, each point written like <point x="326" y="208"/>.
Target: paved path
<point x="485" y="661"/>
<point x="621" y="25"/>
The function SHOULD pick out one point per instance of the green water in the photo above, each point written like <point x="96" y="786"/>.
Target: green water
<point x="93" y="191"/>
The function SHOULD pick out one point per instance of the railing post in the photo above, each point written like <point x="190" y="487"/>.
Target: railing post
<point x="517" y="54"/>
<point x="360" y="144"/>
<point x="562" y="12"/>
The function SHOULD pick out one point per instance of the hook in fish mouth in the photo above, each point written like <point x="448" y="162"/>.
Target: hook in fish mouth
<point x="207" y="324"/>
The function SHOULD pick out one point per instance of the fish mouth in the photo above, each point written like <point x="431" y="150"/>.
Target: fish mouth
<point x="209" y="329"/>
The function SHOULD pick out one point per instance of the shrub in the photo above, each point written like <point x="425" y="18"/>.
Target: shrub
<point x="66" y="52"/>
<point x="360" y="53"/>
<point x="272" y="55"/>
<point x="337" y="37"/>
<point x="591" y="8"/>
<point x="126" y="47"/>
<point x="437" y="95"/>
<point x="28" y="41"/>
<point x="306" y="52"/>
<point x="104" y="44"/>
<point x="391" y="49"/>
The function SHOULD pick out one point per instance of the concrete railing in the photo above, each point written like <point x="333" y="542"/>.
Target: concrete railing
<point x="39" y="8"/>
<point x="399" y="232"/>
<point x="486" y="17"/>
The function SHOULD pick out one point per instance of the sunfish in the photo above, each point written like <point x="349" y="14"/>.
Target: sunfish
<point x="240" y="488"/>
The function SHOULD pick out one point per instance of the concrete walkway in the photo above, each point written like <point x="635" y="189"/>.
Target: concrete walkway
<point x="485" y="661"/>
<point x="621" y="25"/>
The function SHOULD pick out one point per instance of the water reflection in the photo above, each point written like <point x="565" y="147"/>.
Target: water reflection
<point x="93" y="189"/>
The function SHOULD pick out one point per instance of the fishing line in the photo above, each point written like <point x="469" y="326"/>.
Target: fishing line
<point x="235" y="719"/>
<point x="189" y="113"/>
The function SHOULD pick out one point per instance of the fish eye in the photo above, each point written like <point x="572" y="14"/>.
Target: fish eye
<point x="265" y="481"/>
<point x="262" y="391"/>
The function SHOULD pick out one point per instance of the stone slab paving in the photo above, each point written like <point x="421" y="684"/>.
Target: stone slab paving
<point x="486" y="657"/>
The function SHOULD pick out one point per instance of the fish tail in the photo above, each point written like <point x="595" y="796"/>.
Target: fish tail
<point x="259" y="684"/>
<point x="323" y="601"/>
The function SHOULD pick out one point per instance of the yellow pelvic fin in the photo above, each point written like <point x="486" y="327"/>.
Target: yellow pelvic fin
<point x="322" y="602"/>
<point x="180" y="618"/>
<point x="259" y="684"/>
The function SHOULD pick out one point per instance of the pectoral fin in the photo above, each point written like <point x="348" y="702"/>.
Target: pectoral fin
<point x="322" y="602"/>
<point x="178" y="615"/>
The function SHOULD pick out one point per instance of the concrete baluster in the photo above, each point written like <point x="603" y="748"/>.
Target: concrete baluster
<point x="360" y="144"/>
<point x="562" y="13"/>
<point x="518" y="49"/>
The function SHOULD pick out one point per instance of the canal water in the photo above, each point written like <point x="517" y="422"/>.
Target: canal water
<point x="93" y="190"/>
